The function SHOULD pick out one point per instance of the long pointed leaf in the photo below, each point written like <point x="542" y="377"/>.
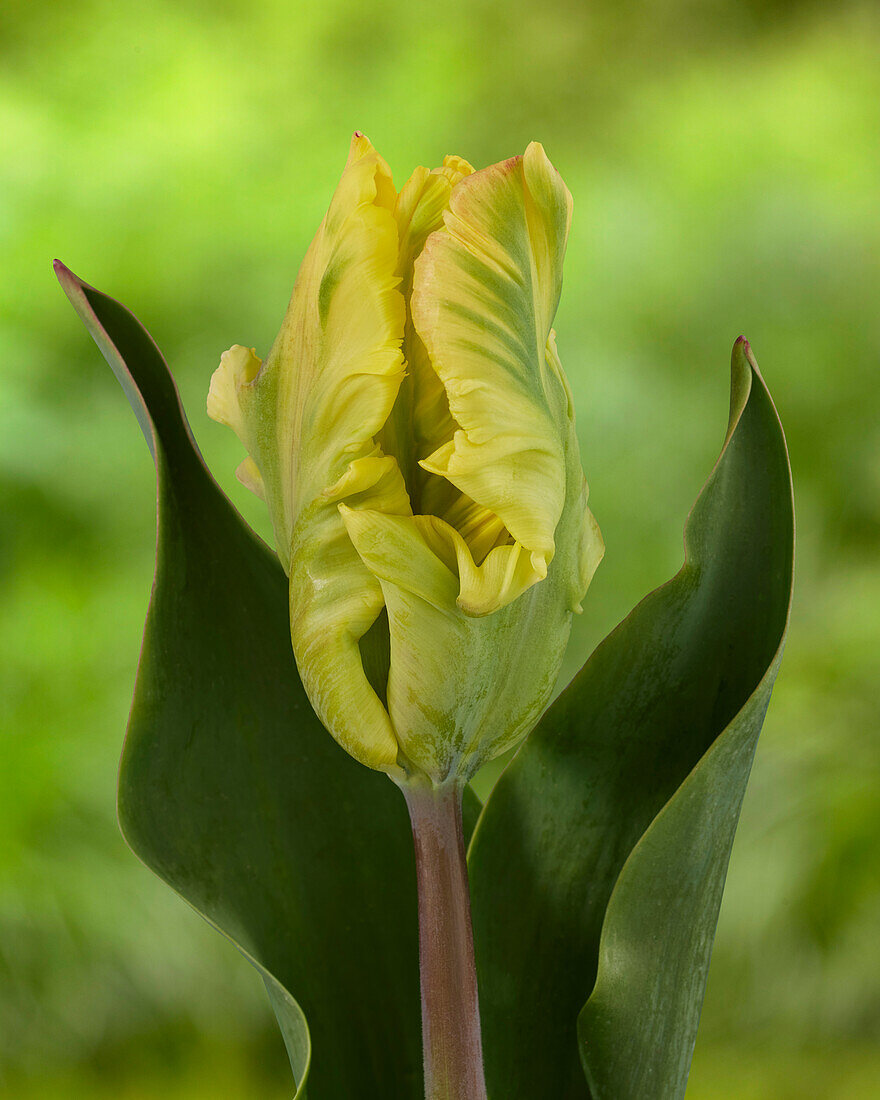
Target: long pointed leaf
<point x="233" y="793"/>
<point x="635" y="777"/>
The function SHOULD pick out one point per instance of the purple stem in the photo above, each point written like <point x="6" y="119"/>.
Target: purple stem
<point x="452" y="1046"/>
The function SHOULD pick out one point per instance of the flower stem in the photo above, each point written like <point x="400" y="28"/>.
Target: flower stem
<point x="453" y="1049"/>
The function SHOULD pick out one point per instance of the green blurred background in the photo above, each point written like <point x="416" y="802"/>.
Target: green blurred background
<point x="724" y="159"/>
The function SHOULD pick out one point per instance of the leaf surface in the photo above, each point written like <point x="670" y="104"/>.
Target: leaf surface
<point x="600" y="857"/>
<point x="231" y="790"/>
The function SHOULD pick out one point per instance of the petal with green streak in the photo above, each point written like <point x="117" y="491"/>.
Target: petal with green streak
<point x="334" y="600"/>
<point x="309" y="417"/>
<point x="420" y="421"/>
<point x="591" y="544"/>
<point x="332" y="375"/>
<point x="239" y="366"/>
<point x="453" y="704"/>
<point x="486" y="290"/>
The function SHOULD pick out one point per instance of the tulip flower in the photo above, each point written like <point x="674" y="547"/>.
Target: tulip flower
<point x="412" y="433"/>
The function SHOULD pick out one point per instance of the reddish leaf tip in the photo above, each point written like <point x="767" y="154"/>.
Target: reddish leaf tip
<point x="741" y="344"/>
<point x="63" y="272"/>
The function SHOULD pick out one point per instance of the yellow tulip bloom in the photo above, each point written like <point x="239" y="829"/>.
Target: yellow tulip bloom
<point x="412" y="433"/>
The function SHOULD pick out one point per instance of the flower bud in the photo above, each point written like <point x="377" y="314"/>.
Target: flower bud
<point x="412" y="433"/>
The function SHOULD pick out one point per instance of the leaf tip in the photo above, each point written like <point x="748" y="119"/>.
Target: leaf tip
<point x="741" y="347"/>
<point x="63" y="273"/>
<point x="70" y="282"/>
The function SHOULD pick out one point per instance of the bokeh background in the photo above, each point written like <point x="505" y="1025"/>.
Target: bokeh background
<point x="725" y="163"/>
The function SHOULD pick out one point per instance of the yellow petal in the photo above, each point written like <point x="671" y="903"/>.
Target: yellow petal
<point x="249" y="475"/>
<point x="362" y="148"/>
<point x="334" y="600"/>
<point x="590" y="553"/>
<point x="456" y="279"/>
<point x="238" y="367"/>
<point x="330" y="380"/>
<point x="485" y="292"/>
<point x="309" y="417"/>
<point x="460" y="689"/>
<point x="393" y="549"/>
<point x="420" y="421"/>
<point x="503" y="576"/>
<point x="480" y="528"/>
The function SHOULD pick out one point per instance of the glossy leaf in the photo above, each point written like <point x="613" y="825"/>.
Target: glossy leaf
<point x="616" y="817"/>
<point x="231" y="790"/>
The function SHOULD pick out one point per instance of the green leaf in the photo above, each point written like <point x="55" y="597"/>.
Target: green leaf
<point x="231" y="790"/>
<point x="617" y="816"/>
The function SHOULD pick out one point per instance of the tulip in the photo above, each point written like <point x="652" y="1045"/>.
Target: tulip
<point x="412" y="433"/>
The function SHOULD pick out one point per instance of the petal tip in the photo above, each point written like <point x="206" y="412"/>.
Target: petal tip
<point x="360" y="147"/>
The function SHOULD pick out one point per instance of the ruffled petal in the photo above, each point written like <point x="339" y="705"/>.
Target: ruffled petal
<point x="331" y="378"/>
<point x="239" y="366"/>
<point x="309" y="417"/>
<point x="461" y="689"/>
<point x="491" y="583"/>
<point x="416" y="366"/>
<point x="420" y="421"/>
<point x="335" y="599"/>
<point x="485" y="292"/>
<point x="393" y="549"/>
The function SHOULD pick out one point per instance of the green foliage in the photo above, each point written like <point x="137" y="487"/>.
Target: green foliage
<point x="232" y="791"/>
<point x="719" y="628"/>
<point x="630" y="790"/>
<point x="618" y="814"/>
<point x="182" y="153"/>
